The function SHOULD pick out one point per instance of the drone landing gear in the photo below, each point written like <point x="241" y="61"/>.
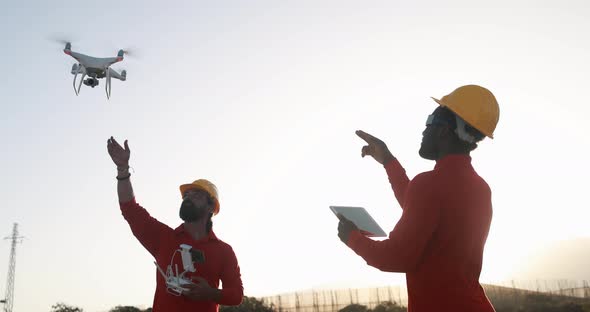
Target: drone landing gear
<point x="92" y="80"/>
<point x="77" y="90"/>
<point x="107" y="85"/>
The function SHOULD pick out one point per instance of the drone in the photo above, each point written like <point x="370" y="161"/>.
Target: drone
<point x="95" y="68"/>
<point x="176" y="281"/>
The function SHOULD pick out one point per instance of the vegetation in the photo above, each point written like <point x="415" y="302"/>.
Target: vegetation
<point x="504" y="299"/>
<point x="530" y="302"/>
<point x="249" y="304"/>
<point x="62" y="307"/>
<point x="128" y="309"/>
<point x="382" y="307"/>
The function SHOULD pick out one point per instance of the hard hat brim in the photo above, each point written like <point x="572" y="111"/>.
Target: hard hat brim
<point x="186" y="187"/>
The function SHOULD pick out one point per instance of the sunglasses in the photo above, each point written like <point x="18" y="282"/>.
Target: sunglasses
<point x="434" y="119"/>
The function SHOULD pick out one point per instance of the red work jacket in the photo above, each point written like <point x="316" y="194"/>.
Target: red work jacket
<point x="439" y="240"/>
<point x="162" y="241"/>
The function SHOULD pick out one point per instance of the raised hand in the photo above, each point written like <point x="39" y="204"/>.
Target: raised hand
<point x="119" y="154"/>
<point x="375" y="148"/>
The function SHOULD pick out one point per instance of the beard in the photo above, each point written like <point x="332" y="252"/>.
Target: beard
<point x="191" y="213"/>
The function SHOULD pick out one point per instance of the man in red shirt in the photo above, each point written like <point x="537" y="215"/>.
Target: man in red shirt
<point x="439" y="240"/>
<point x="213" y="259"/>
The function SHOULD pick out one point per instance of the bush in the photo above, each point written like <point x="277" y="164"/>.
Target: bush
<point x="382" y="307"/>
<point x="354" y="308"/>
<point x="389" y="307"/>
<point x="62" y="307"/>
<point x="249" y="304"/>
<point x="124" y="309"/>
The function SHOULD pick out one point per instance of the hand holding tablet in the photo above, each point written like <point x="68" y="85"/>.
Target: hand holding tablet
<point x="361" y="218"/>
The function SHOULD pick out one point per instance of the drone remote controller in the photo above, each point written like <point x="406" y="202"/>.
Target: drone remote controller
<point x="175" y="281"/>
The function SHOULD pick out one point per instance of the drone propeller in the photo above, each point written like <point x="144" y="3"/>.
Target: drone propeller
<point x="131" y="52"/>
<point x="62" y="41"/>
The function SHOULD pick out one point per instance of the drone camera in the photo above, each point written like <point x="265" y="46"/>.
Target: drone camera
<point x="91" y="82"/>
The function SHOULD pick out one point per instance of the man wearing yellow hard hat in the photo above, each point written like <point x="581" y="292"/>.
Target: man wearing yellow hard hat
<point x="439" y="240"/>
<point x="209" y="259"/>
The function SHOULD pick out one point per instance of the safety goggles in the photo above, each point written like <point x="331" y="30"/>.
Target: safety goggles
<point x="435" y="119"/>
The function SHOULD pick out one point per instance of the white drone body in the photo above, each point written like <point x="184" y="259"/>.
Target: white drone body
<point x="176" y="281"/>
<point x="95" y="68"/>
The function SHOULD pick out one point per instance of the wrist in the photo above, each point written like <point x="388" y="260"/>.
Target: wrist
<point x="123" y="171"/>
<point x="123" y="176"/>
<point x="387" y="159"/>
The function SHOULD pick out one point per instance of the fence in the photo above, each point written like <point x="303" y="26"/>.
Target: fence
<point x="334" y="300"/>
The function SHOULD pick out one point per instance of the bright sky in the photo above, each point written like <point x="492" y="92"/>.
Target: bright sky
<point x="263" y="99"/>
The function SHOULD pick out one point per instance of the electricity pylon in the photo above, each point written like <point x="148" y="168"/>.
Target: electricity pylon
<point x="9" y="298"/>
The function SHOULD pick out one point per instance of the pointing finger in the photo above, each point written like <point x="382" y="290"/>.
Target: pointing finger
<point x="365" y="136"/>
<point x="126" y="145"/>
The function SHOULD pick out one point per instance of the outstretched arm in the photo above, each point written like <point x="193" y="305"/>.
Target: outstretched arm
<point x="120" y="157"/>
<point x="146" y="229"/>
<point x="395" y="172"/>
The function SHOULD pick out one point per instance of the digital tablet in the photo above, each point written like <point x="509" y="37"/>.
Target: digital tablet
<point x="361" y="218"/>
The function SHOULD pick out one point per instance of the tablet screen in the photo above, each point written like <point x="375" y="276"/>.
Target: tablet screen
<point x="361" y="218"/>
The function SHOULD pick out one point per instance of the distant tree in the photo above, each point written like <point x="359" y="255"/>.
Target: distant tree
<point x="354" y="308"/>
<point x="125" y="309"/>
<point x="382" y="307"/>
<point x="62" y="307"/>
<point x="249" y="304"/>
<point x="389" y="307"/>
<point x="546" y="303"/>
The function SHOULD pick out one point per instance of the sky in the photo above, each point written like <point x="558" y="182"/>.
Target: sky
<point x="263" y="99"/>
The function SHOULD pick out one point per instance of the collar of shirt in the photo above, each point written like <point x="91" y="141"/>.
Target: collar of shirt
<point x="180" y="230"/>
<point x="453" y="160"/>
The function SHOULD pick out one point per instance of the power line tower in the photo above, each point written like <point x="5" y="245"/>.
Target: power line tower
<point x="9" y="298"/>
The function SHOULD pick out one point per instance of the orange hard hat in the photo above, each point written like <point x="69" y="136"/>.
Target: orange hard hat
<point x="476" y="105"/>
<point x="206" y="186"/>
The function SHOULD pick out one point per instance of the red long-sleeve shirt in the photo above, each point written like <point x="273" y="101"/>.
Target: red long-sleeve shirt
<point x="161" y="241"/>
<point x="439" y="240"/>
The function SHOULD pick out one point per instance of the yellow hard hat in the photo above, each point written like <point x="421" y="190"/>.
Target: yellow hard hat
<point x="476" y="105"/>
<point x="206" y="186"/>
